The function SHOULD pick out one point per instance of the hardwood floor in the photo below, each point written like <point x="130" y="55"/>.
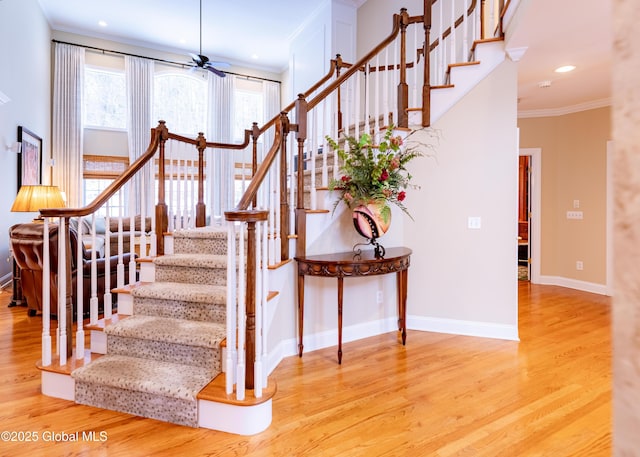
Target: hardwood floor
<point x="441" y="395"/>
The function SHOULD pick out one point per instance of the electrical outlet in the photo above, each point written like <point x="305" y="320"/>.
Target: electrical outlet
<point x="379" y="297"/>
<point x="574" y="215"/>
<point x="579" y="265"/>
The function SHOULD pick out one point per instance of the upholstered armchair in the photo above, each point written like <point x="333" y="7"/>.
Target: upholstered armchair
<point x="27" y="246"/>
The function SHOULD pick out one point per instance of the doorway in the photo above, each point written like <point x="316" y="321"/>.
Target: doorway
<point x="524" y="215"/>
<point x="529" y="190"/>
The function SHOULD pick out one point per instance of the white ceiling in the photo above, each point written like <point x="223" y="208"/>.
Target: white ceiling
<point x="554" y="32"/>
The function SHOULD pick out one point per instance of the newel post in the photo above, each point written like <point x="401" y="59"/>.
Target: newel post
<point x="403" y="87"/>
<point x="426" y="83"/>
<point x="255" y="134"/>
<point x="250" y="217"/>
<point x="201" y="208"/>
<point x="284" y="201"/>
<point x="338" y="63"/>
<point x="162" y="218"/>
<point x="301" y="136"/>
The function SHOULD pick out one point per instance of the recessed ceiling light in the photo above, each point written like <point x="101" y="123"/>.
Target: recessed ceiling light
<point x="254" y="56"/>
<point x="183" y="41"/>
<point x="102" y="23"/>
<point x="565" y="69"/>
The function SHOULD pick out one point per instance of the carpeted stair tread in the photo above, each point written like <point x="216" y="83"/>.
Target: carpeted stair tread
<point x="195" y="293"/>
<point x="169" y="330"/>
<point x="192" y="260"/>
<point x="152" y="376"/>
<point x="202" y="232"/>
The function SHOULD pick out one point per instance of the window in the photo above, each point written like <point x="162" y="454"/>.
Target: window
<point x="248" y="106"/>
<point x="98" y="173"/>
<point x="181" y="100"/>
<point x="105" y="99"/>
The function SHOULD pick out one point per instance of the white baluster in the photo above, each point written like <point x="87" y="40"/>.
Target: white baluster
<point x="93" y="301"/>
<point x="62" y="292"/>
<point x="325" y="131"/>
<point x="263" y="330"/>
<point x="132" y="234"/>
<point x="46" y="297"/>
<point x="79" y="290"/>
<point x="242" y="316"/>
<point x="376" y="100"/>
<point x="257" y="363"/>
<point x="313" y="142"/>
<point x="232" y="287"/>
<point x="107" y="299"/>
<point x="465" y="32"/>
<point x="441" y="45"/>
<point x="356" y="105"/>
<point x="121" y="269"/>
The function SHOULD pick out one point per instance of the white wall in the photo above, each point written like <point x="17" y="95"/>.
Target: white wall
<point x="464" y="280"/>
<point x="25" y="53"/>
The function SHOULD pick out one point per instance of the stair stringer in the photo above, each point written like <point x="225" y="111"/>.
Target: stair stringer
<point x="464" y="78"/>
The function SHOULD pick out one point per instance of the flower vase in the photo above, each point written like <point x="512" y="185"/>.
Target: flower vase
<point x="372" y="220"/>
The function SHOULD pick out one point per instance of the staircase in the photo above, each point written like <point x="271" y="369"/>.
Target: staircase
<point x="162" y="356"/>
<point x="165" y="360"/>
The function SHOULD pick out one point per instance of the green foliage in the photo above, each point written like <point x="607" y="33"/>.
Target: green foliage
<point x="373" y="173"/>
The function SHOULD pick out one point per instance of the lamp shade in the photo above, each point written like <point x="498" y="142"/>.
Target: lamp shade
<point x="34" y="198"/>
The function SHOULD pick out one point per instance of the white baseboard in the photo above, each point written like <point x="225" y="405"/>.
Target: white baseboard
<point x="461" y="327"/>
<point x="585" y="286"/>
<point x="329" y="338"/>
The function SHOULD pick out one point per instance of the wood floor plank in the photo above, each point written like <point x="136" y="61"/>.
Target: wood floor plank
<point x="440" y="395"/>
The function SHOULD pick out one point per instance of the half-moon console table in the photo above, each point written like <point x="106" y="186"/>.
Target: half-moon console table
<point x="349" y="264"/>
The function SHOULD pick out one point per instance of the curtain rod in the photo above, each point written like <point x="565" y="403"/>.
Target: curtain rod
<point x="170" y="62"/>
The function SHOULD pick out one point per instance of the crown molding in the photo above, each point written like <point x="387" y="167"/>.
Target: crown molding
<point x="565" y="110"/>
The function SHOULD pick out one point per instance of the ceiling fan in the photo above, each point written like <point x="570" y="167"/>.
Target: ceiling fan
<point x="202" y="61"/>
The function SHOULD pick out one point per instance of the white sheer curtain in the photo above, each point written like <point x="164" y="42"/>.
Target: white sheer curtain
<point x="67" y="121"/>
<point x="271" y="95"/>
<point x="139" y="76"/>
<point x="220" y="162"/>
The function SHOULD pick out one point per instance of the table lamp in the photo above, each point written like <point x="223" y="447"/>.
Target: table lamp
<point x="31" y="199"/>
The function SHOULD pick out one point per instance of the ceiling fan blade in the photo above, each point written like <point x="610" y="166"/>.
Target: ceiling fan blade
<point x="218" y="64"/>
<point x="215" y="71"/>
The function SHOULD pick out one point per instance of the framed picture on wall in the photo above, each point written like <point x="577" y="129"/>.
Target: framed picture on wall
<point x="30" y="162"/>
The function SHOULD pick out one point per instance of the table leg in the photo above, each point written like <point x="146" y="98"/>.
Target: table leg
<point x="300" y="312"/>
<point x="340" y="289"/>
<point x="402" y="303"/>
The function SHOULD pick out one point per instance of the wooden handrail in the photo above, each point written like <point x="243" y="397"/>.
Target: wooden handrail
<point x="263" y="169"/>
<point x="209" y="144"/>
<point x="158" y="134"/>
<point x="335" y="64"/>
<point x="355" y="67"/>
